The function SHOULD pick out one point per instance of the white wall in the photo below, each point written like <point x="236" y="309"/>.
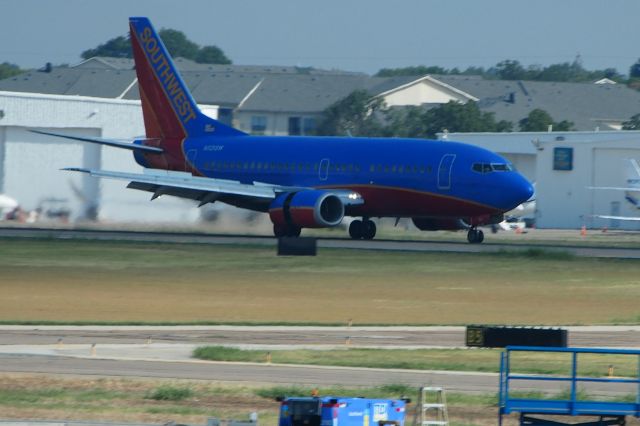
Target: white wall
<point x="423" y="92"/>
<point x="30" y="171"/>
<point x="562" y="197"/>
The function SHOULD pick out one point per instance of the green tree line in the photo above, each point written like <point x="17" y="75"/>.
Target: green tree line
<point x="360" y="114"/>
<point x="513" y="70"/>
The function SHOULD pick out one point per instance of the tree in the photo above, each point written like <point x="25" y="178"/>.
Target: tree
<point x="634" y="71"/>
<point x="9" y="70"/>
<point x="456" y="117"/>
<point x="409" y="71"/>
<point x="118" y="47"/>
<point x="212" y="55"/>
<point x="539" y="120"/>
<point x="632" y="124"/>
<point x="176" y="42"/>
<point x="416" y="122"/>
<point x="356" y="115"/>
<point x="178" y="45"/>
<point x="509" y="70"/>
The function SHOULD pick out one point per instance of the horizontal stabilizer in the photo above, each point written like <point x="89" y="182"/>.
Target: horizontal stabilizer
<point x="622" y="218"/>
<point x="108" y="142"/>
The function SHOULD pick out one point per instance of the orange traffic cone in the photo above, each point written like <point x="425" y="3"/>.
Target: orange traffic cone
<point x="583" y="231"/>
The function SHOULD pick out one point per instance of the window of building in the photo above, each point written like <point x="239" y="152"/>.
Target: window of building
<point x="309" y="126"/>
<point x="295" y="128"/>
<point x="258" y="124"/>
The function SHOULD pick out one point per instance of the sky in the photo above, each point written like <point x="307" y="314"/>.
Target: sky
<point x="352" y="35"/>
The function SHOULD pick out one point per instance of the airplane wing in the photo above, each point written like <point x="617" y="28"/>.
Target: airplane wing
<point x="203" y="189"/>
<point x="629" y="218"/>
<point x="614" y="188"/>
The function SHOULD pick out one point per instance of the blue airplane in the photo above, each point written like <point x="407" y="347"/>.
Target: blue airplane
<point x="305" y="182"/>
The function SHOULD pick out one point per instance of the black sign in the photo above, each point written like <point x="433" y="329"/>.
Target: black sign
<point x="500" y="337"/>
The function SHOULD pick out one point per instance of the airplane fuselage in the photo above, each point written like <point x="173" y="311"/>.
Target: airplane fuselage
<point x="396" y="177"/>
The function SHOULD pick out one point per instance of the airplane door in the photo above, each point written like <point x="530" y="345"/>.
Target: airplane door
<point x="190" y="159"/>
<point x="444" y="171"/>
<point x="323" y="171"/>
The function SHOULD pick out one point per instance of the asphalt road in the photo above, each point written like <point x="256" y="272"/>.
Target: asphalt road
<point x="388" y="245"/>
<point x="125" y="352"/>
<point x="246" y="373"/>
<point x="384" y="337"/>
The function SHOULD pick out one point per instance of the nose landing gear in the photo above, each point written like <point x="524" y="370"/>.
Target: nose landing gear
<point x="475" y="236"/>
<point x="363" y="229"/>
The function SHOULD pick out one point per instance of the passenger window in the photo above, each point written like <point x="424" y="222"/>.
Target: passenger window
<point x="400" y="169"/>
<point x="421" y="169"/>
<point x="357" y="168"/>
<point x="372" y="168"/>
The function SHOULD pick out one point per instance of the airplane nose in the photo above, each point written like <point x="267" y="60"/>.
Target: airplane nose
<point x="523" y="190"/>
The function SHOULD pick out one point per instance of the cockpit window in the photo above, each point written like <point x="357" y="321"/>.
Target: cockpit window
<point x="491" y="167"/>
<point x="501" y="167"/>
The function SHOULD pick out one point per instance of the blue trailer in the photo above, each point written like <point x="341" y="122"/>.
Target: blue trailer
<point x="340" y="411"/>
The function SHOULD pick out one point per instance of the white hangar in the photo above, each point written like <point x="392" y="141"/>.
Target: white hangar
<point x="563" y="166"/>
<point x="30" y="163"/>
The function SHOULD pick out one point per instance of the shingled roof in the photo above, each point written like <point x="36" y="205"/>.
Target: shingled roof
<point x="309" y="91"/>
<point x="587" y="105"/>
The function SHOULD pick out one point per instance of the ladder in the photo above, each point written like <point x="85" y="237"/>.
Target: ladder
<point x="431" y="409"/>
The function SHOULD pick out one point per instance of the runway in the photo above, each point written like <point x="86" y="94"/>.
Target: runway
<point x="291" y="336"/>
<point x="599" y="251"/>
<point x="164" y="352"/>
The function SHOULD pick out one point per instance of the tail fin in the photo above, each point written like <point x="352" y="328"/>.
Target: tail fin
<point x="168" y="108"/>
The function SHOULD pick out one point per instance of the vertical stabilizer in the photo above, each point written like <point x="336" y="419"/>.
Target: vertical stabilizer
<point x="169" y="110"/>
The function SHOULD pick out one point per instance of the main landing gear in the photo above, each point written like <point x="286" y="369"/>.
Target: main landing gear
<point x="286" y="231"/>
<point x="363" y="229"/>
<point x="475" y="236"/>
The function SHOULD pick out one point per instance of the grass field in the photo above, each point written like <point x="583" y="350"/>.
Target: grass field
<point x="92" y="281"/>
<point x="136" y="400"/>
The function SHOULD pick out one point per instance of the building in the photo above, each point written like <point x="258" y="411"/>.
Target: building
<point x="284" y="100"/>
<point x="30" y="163"/>
<point x="563" y="166"/>
<point x="99" y="97"/>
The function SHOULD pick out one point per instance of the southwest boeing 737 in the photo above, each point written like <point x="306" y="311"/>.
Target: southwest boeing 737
<point x="305" y="182"/>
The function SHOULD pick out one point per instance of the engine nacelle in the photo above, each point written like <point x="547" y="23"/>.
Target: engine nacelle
<point x="307" y="209"/>
<point x="439" y="224"/>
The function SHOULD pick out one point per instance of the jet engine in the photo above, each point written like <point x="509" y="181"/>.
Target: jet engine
<point x="306" y="209"/>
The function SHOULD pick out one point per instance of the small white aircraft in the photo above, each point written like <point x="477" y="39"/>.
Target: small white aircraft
<point x="516" y="219"/>
<point x="631" y="191"/>
<point x="7" y="205"/>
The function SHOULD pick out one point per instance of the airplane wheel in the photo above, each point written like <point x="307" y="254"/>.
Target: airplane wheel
<point x="355" y="229"/>
<point x="369" y="230"/>
<point x="475" y="236"/>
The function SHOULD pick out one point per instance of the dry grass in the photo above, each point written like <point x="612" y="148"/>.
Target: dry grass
<point x="123" y="400"/>
<point x="110" y="281"/>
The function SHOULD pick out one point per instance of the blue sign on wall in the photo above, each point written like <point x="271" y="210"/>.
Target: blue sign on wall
<point x="562" y="158"/>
